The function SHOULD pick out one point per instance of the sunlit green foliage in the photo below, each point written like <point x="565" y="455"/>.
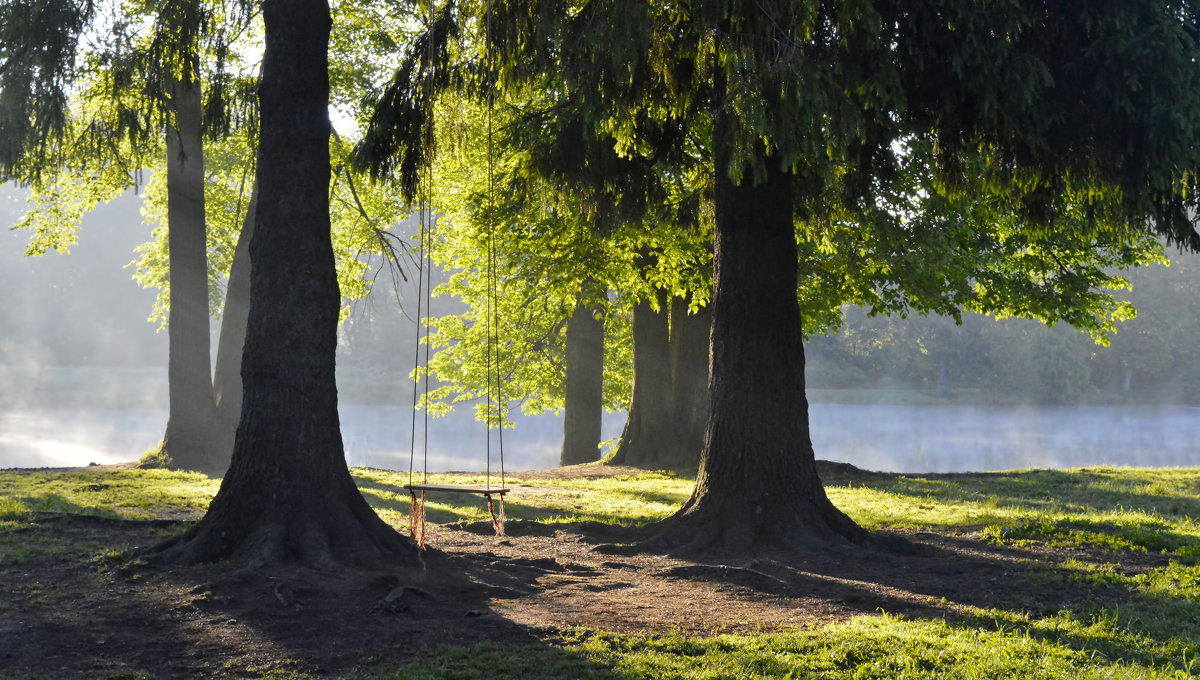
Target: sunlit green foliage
<point x="115" y="115"/>
<point x="546" y="256"/>
<point x="229" y="171"/>
<point x="557" y="230"/>
<point x="909" y="201"/>
<point x="1015" y="360"/>
<point x="86" y="169"/>
<point x="362" y="217"/>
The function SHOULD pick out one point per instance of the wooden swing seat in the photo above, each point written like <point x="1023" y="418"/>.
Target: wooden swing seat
<point x="453" y="488"/>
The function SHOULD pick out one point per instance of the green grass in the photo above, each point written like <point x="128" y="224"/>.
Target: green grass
<point x="1096" y="508"/>
<point x="622" y="499"/>
<point x="27" y="497"/>
<point x="124" y="494"/>
<point x="1095" y="529"/>
<point x="882" y="647"/>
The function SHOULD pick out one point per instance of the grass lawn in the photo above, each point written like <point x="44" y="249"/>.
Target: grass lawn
<point x="1126" y="540"/>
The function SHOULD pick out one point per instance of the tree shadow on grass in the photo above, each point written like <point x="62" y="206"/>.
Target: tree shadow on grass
<point x="965" y="581"/>
<point x="67" y="616"/>
<point x="968" y="582"/>
<point x="1103" y="633"/>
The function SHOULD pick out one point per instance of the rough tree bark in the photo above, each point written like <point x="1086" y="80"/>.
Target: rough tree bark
<point x="192" y="413"/>
<point x="648" y="440"/>
<point x="689" y="377"/>
<point x="665" y="425"/>
<point x="584" y="384"/>
<point x="288" y="495"/>
<point x="757" y="485"/>
<point x="227" y="378"/>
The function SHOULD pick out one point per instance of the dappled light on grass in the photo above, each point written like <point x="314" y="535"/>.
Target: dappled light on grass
<point x="1113" y="509"/>
<point x="622" y="499"/>
<point x="1118" y="550"/>
<point x="865" y="647"/>
<point x="123" y="494"/>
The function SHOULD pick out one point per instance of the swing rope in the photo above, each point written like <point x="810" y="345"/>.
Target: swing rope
<point x="495" y="397"/>
<point x="494" y="407"/>
<point x="424" y="283"/>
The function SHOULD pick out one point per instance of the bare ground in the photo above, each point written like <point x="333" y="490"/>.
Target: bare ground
<point x="85" y="614"/>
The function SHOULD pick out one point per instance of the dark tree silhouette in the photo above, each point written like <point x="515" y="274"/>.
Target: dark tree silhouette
<point x="227" y="376"/>
<point x="583" y="383"/>
<point x="758" y="483"/>
<point x="189" y="440"/>
<point x="924" y="150"/>
<point x="288" y="495"/>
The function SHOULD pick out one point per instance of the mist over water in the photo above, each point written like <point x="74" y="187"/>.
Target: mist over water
<point x="379" y="436"/>
<point x="885" y="437"/>
<point x="83" y="380"/>
<point x="75" y="437"/>
<point x="376" y="436"/>
<point x="906" y="438"/>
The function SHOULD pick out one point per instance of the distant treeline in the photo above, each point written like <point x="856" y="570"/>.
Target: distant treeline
<point x="1150" y="360"/>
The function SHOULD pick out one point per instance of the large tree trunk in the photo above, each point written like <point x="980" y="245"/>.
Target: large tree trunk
<point x="648" y="440"/>
<point x="584" y="378"/>
<point x="227" y="380"/>
<point x="288" y="495"/>
<point x="689" y="376"/>
<point x="757" y="486"/>
<point x="188" y="439"/>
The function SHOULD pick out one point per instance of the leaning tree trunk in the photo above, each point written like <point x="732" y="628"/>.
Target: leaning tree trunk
<point x="188" y="439"/>
<point x="757" y="486"/>
<point x="227" y="379"/>
<point x="584" y="384"/>
<point x="647" y="440"/>
<point x="288" y="495"/>
<point x="690" y="333"/>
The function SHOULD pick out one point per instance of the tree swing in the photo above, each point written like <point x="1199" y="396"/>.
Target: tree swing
<point x="493" y="494"/>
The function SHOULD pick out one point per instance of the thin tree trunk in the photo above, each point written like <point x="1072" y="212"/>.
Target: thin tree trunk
<point x="188" y="439"/>
<point x="584" y="386"/>
<point x="757" y="485"/>
<point x="288" y="495"/>
<point x="227" y="380"/>
<point x="689" y="377"/>
<point x="647" y="440"/>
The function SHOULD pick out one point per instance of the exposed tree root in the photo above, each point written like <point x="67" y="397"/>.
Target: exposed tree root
<point x="309" y="542"/>
<point x="747" y="529"/>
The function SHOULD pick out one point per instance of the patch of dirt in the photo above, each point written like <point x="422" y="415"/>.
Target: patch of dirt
<point x="88" y="614"/>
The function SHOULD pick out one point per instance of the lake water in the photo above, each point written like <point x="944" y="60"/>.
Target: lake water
<point x="894" y="438"/>
<point x="901" y="438"/>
